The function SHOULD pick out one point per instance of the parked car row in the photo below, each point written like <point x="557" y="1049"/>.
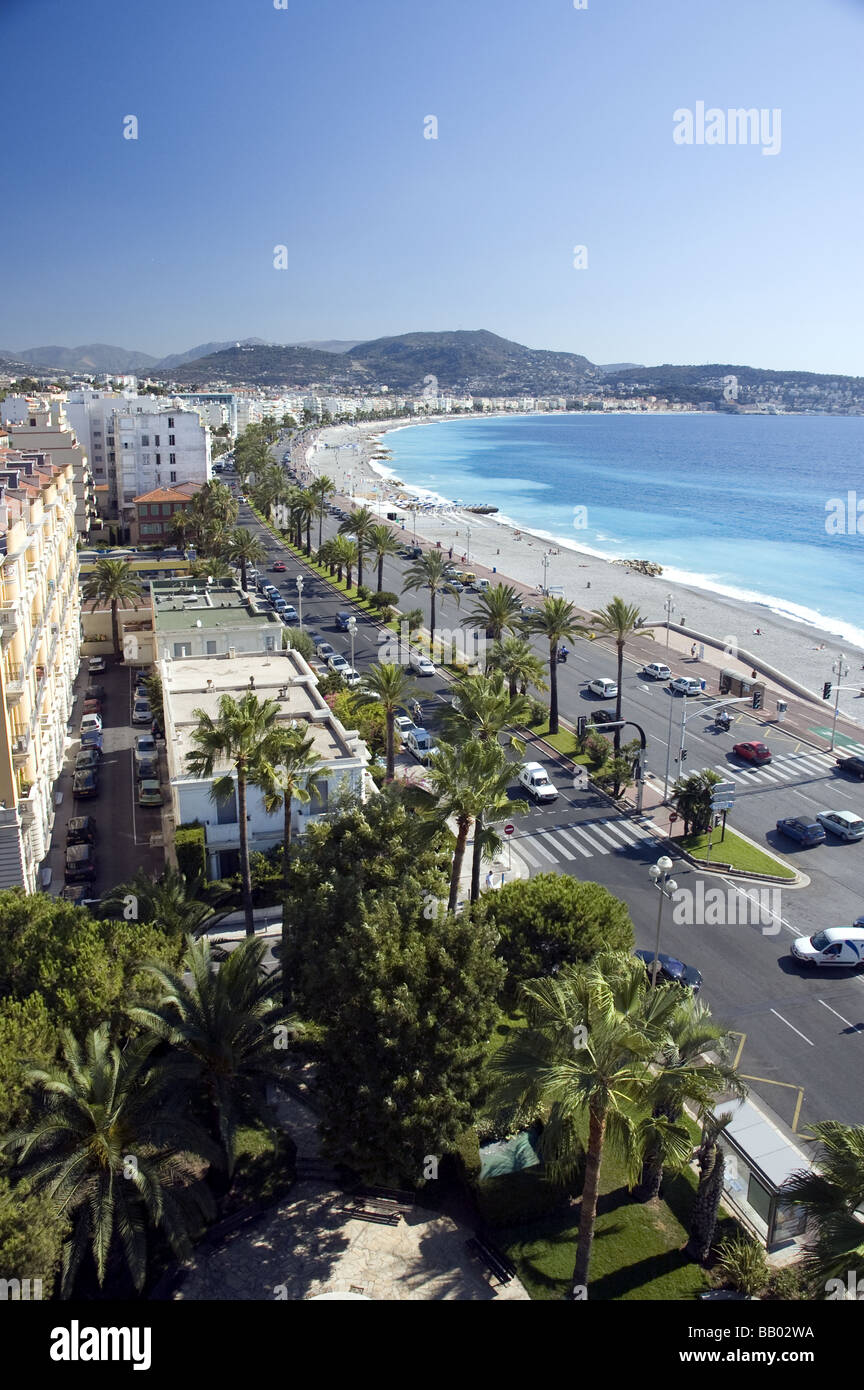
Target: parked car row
<point x="79" y="869"/>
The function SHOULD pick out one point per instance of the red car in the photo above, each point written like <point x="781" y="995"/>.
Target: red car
<point x="753" y="752"/>
<point x="92" y="707"/>
<point x="278" y="568"/>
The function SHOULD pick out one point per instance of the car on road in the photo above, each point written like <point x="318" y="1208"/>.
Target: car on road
<point x="145" y="748"/>
<point x="94" y="692"/>
<point x="95" y="665"/>
<point x="685" y="685"/>
<point x="854" y="766"/>
<point x="81" y="830"/>
<point x="603" y="716"/>
<point x="753" y="752"/>
<point x="420" y="664"/>
<point x="91" y="721"/>
<point x="402" y="725"/>
<point x="289" y="613"/>
<point x="456" y="586"/>
<point x="656" y="671"/>
<point x="88" y="758"/>
<point x="85" y="784"/>
<point x="845" y="824"/>
<point x="324" y="649"/>
<point x="605" y="688"/>
<point x="530" y="610"/>
<point x="142" y="712"/>
<point x="80" y="863"/>
<point x="279" y="567"/>
<point x="147" y="770"/>
<point x="149" y="792"/>
<point x="419" y="742"/>
<point x="806" y="832"/>
<point x="92" y="706"/>
<point x="91" y="738"/>
<point x="671" y="971"/>
<point x="338" y="664"/>
<point x="835" y="946"/>
<point x="351" y="677"/>
<point x="534" y="778"/>
<point x="342" y="621"/>
<point x="76" y="893"/>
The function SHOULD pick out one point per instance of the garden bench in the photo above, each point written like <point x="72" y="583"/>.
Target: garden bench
<point x="494" y="1259"/>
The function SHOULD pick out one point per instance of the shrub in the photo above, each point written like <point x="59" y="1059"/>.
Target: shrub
<point x="364" y="592"/>
<point x="742" y="1263"/>
<point x="788" y="1284"/>
<point x="189" y="843"/>
<point x="537" y="713"/>
<point x="302" y="643"/>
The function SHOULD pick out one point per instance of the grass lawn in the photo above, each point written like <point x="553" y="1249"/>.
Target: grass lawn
<point x="737" y="852"/>
<point x="563" y="742"/>
<point x="638" y="1250"/>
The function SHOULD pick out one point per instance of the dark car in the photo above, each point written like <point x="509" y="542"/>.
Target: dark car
<point x="672" y="971"/>
<point x="342" y="620"/>
<point x="94" y="692"/>
<point x="855" y="766"/>
<point x="80" y="830"/>
<point x="80" y="863"/>
<point x="77" y="893"/>
<point x="85" y="784"/>
<point x="88" y="758"/>
<point x="147" y="769"/>
<point x="806" y="832"/>
<point x="92" y="738"/>
<point x="603" y="716"/>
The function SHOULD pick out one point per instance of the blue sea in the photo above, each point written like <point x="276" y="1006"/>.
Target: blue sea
<point x="732" y="504"/>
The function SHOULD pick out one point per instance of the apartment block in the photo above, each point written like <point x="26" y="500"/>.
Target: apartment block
<point x="40" y="636"/>
<point x="197" y="684"/>
<point x="43" y="426"/>
<point x="155" y="512"/>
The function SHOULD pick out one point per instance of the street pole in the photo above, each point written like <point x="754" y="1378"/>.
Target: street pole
<point x="841" y="670"/>
<point x="668" y="748"/>
<point x="659" y="874"/>
<point x="300" y="598"/>
<point x="468" y="551"/>
<point x="670" y="609"/>
<point x="545" y="572"/>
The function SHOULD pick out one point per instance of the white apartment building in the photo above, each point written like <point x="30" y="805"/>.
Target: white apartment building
<point x="41" y="425"/>
<point x="192" y="618"/>
<point x="40" y="636"/>
<point x="194" y="683"/>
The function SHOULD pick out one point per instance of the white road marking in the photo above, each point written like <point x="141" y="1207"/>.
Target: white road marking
<point x="570" y="840"/>
<point x="856" y="1026"/>
<point x="792" y="1026"/>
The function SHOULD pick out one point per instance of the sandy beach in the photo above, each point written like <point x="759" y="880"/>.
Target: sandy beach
<point x="355" y="457"/>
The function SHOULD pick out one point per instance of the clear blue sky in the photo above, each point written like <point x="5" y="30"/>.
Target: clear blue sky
<point x="304" y="126"/>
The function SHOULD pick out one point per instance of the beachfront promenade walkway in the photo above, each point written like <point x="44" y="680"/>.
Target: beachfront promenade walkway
<point x="305" y="1247"/>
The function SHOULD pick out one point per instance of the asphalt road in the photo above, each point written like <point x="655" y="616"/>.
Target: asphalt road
<point x="798" y="1034"/>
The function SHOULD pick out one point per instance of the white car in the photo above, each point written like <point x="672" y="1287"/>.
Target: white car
<point x="686" y="685"/>
<point x="419" y="742"/>
<point x="338" y="664"/>
<point x="421" y="664"/>
<point x="656" y="671"/>
<point x="91" y="721"/>
<point x="351" y="677"/>
<point x="835" y="946"/>
<point x="534" y="779"/>
<point x="607" y="689"/>
<point x="95" y="665"/>
<point x="325" y="650"/>
<point x="289" y="613"/>
<point x="402" y="725"/>
<point x="844" y="824"/>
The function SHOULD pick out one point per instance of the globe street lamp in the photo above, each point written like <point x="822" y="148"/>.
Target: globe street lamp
<point x="300" y="598"/>
<point x="666" y="886"/>
<point x="352" y="629"/>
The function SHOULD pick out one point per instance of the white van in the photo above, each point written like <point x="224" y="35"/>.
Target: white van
<point x="535" y="781"/>
<point x="419" y="742"/>
<point x="420" y="664"/>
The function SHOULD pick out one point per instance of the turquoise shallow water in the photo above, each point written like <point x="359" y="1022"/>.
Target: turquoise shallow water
<point x="734" y="504"/>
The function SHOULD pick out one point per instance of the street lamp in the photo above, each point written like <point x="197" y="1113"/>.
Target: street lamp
<point x="468" y="551"/>
<point x="670" y="609"/>
<point x="840" y="669"/>
<point x="300" y="598"/>
<point x="666" y="886"/>
<point x="352" y="629"/>
<point x="546" y="571"/>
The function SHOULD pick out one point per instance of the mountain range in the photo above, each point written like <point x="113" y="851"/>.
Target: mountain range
<point x="102" y="358"/>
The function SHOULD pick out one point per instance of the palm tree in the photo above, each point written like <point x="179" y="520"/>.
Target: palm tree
<point x="286" y="777"/>
<point x="691" y="797"/>
<point x="112" y="582"/>
<point x="831" y="1195"/>
<point x="618" y="620"/>
<point x="387" y="686"/>
<point x="210" y="567"/>
<point x="497" y="611"/>
<point x="428" y="572"/>
<point x="171" y="900"/>
<point x="306" y="504"/>
<point x="495" y="804"/>
<point x="697" y="1073"/>
<point x="360" y="525"/>
<point x="324" y="555"/>
<point x="706" y="1203"/>
<point x="465" y="780"/>
<point x="520" y="665"/>
<point x="111" y="1143"/>
<point x="321" y="489"/>
<point x="240" y="735"/>
<point x="222" y="1022"/>
<point x="557" y="621"/>
<point x="589" y="1057"/>
<point x="345" y="556"/>
<point x="245" y="548"/>
<point x="382" y="543"/>
<point x="485" y="708"/>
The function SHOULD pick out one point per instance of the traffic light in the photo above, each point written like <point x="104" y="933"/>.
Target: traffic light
<point x="757" y="698"/>
<point x="581" y="725"/>
<point x="826" y="691"/>
<point x="683" y="755"/>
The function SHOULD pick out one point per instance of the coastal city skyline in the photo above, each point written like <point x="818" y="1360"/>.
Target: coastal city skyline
<point x="412" y="187"/>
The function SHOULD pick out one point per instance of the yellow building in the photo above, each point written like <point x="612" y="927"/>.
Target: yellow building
<point x="40" y="634"/>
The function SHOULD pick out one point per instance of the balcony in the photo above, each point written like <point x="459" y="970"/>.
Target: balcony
<point x="10" y="617"/>
<point x="13" y="680"/>
<point x="21" y="745"/>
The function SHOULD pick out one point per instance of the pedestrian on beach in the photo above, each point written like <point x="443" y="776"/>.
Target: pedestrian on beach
<point x="693" y="650"/>
<point x="753" y="675"/>
<point x="588" y="585"/>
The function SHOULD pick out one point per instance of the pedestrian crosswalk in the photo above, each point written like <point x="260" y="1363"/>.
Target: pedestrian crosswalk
<point x="558" y="844"/>
<point x="788" y="768"/>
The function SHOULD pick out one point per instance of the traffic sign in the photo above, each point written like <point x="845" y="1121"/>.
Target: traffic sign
<point x="509" y="828"/>
<point x="723" y="789"/>
<point x="722" y="803"/>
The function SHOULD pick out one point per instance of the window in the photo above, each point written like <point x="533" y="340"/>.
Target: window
<point x="182" y="649"/>
<point x="156" y="440"/>
<point x="211" y="648"/>
<point x="110" y="455"/>
<point x="171" y="439"/>
<point x="145" y="439"/>
<point x="95" y="432"/>
<point x="166" y="509"/>
<point x="226" y="811"/>
<point x="172" y="458"/>
<point x="171" y="424"/>
<point x="32" y="422"/>
<point x="158" y="457"/>
<point x="173" y="475"/>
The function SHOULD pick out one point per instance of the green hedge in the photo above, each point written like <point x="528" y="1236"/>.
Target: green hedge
<point x="189" y="843"/>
